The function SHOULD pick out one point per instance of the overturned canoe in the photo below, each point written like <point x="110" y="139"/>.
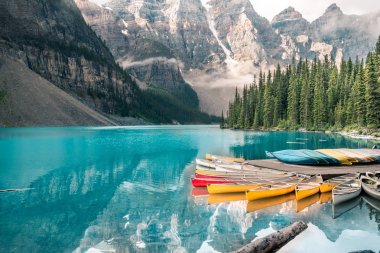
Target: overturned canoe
<point x="321" y="158"/>
<point x="341" y="157"/>
<point x="346" y="191"/>
<point x="371" y="186"/>
<point x="374" y="153"/>
<point x="223" y="158"/>
<point x="360" y="157"/>
<point x="329" y="185"/>
<point x="294" y="157"/>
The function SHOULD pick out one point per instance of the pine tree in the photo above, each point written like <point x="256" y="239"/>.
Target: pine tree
<point x="372" y="94"/>
<point x="377" y="48"/>
<point x="319" y="100"/>
<point x="222" y="123"/>
<point x="293" y="109"/>
<point x="359" y="100"/>
<point x="268" y="104"/>
<point x="332" y="95"/>
<point x="312" y="95"/>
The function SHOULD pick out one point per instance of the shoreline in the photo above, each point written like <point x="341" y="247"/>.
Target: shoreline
<point x="355" y="135"/>
<point x="352" y="134"/>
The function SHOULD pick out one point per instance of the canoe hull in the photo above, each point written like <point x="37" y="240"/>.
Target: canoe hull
<point x="371" y="192"/>
<point x="230" y="188"/>
<point x="341" y="198"/>
<point x="211" y="157"/>
<point x="301" y="194"/>
<point x="371" y="186"/>
<point x="327" y="187"/>
<point x="253" y="195"/>
<point x="203" y="182"/>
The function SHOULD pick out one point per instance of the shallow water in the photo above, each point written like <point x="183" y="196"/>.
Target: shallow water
<point x="128" y="189"/>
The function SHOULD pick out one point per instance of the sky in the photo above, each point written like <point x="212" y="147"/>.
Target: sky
<point x="312" y="9"/>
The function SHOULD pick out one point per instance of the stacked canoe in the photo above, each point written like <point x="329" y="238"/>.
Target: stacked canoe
<point x="229" y="179"/>
<point x="339" y="156"/>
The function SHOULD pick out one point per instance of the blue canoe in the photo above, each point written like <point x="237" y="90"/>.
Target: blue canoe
<point x="303" y="157"/>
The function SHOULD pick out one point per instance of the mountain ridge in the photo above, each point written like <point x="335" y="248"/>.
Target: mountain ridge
<point x="228" y="42"/>
<point x="54" y="41"/>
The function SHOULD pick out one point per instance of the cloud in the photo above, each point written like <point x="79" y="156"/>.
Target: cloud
<point x="99" y="2"/>
<point x="311" y="9"/>
<point x="128" y="62"/>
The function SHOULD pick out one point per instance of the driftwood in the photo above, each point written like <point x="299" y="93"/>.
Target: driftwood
<point x="274" y="241"/>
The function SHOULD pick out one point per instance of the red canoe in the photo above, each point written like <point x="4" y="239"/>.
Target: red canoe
<point x="203" y="182"/>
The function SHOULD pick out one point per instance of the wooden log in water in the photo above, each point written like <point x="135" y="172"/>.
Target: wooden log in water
<point x="274" y="241"/>
<point x="16" y="189"/>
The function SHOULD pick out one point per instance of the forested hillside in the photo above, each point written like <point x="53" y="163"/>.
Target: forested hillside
<point x="315" y="95"/>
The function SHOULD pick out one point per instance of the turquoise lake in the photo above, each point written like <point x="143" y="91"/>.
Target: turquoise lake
<point x="128" y="189"/>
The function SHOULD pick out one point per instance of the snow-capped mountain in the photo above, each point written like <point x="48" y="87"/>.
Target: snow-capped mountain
<point x="218" y="45"/>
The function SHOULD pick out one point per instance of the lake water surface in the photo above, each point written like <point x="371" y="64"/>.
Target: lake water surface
<point x="127" y="189"/>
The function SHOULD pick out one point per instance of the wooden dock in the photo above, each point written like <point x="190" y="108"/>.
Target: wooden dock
<point x="326" y="171"/>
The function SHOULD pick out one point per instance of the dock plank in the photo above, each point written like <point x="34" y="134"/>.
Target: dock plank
<point x="312" y="170"/>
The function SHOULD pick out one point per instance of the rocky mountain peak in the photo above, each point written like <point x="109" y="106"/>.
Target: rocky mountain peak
<point x="333" y="9"/>
<point x="288" y="14"/>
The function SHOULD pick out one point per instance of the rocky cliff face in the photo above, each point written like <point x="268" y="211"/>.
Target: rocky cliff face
<point x="52" y="39"/>
<point x="224" y="43"/>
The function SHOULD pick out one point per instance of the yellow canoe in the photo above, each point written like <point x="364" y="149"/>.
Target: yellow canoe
<point x="341" y="157"/>
<point x="308" y="187"/>
<point x="259" y="204"/>
<point x="325" y="197"/>
<point x="232" y="188"/>
<point x="304" y="190"/>
<point x="328" y="185"/>
<point x="226" y="197"/>
<point x="267" y="191"/>
<point x="223" y="158"/>
<point x="306" y="202"/>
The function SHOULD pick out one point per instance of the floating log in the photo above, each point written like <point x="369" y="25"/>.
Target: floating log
<point x="274" y="241"/>
<point x="15" y="190"/>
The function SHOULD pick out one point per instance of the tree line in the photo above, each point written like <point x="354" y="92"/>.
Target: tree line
<point x="311" y="95"/>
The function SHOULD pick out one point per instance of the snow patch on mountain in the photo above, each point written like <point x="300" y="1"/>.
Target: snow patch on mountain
<point x="231" y="63"/>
